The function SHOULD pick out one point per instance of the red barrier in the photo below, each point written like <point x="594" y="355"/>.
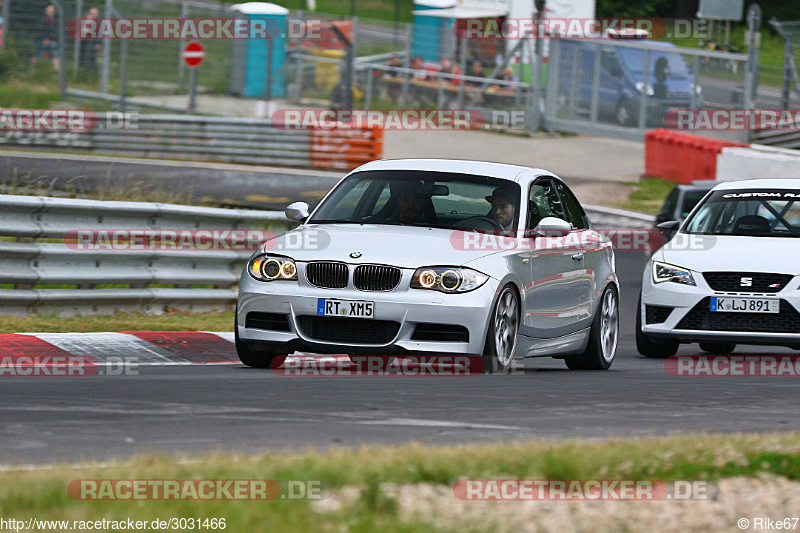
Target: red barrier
<point x="682" y="157"/>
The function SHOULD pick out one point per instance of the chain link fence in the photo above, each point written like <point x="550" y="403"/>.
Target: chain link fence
<point x="622" y="89"/>
<point x="605" y="87"/>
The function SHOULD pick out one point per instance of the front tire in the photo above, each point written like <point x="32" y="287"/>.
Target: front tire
<point x="501" y="340"/>
<point x="603" y="338"/>
<point x="253" y="358"/>
<point x="648" y="348"/>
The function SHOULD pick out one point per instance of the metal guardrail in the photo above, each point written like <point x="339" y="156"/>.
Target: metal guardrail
<point x="236" y="140"/>
<point x="29" y="267"/>
<point x="779" y="138"/>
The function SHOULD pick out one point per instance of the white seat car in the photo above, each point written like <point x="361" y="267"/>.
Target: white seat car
<point x="393" y="262"/>
<point x="730" y="275"/>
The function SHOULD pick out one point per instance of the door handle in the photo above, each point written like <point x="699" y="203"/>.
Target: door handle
<point x="525" y="260"/>
<point x="577" y="256"/>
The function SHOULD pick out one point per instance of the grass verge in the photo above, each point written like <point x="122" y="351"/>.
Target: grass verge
<point x="647" y="196"/>
<point x="172" y="320"/>
<point x="364" y="471"/>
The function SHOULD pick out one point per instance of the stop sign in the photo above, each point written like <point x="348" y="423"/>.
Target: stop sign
<point x="193" y="54"/>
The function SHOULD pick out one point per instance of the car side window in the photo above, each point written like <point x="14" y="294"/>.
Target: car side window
<point x="543" y="201"/>
<point x="572" y="207"/>
<point x="671" y="202"/>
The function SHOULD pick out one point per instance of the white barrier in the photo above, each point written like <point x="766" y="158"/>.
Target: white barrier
<point x="757" y="161"/>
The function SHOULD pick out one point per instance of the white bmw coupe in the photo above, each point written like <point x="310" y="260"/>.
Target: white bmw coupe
<point x="435" y="257"/>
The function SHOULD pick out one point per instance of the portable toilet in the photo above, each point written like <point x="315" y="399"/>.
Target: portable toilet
<point x="431" y="39"/>
<point x="250" y="57"/>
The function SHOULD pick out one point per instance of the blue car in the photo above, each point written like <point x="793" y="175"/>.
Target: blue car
<point x="670" y="82"/>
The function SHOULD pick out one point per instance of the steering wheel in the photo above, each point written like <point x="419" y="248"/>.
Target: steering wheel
<point x="479" y="222"/>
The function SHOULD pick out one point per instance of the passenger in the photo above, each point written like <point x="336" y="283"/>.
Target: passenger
<point x="503" y="210"/>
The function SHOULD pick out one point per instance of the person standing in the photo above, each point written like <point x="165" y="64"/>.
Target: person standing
<point x="46" y="38"/>
<point x="89" y="47"/>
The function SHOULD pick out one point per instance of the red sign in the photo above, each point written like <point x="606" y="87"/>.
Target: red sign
<point x="193" y="54"/>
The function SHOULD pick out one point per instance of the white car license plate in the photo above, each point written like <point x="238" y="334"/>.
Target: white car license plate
<point x="745" y="305"/>
<point x="345" y="308"/>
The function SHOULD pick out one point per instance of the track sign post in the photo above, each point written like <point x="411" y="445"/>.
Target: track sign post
<point x="193" y="55"/>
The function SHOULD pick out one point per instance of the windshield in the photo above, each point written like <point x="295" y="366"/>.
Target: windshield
<point x="634" y="60"/>
<point x="752" y="213"/>
<point x="420" y="198"/>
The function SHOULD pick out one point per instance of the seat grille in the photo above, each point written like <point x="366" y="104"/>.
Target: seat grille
<point x="656" y="314"/>
<point x="327" y="274"/>
<point x="702" y="318"/>
<point x="348" y="330"/>
<point x="376" y="277"/>
<point x="758" y="281"/>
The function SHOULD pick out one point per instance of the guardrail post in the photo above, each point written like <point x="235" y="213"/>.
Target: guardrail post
<point x="696" y="72"/>
<point x="106" y="55"/>
<point x="406" y="64"/>
<point x="123" y="75"/>
<point x="368" y="93"/>
<point x="595" y="82"/>
<point x="298" y="76"/>
<point x="62" y="55"/>
<point x="76" y="52"/>
<point x="645" y="85"/>
<point x="786" y="85"/>
<point x="181" y="64"/>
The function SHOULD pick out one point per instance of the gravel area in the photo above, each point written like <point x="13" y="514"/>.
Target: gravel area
<point x="741" y="497"/>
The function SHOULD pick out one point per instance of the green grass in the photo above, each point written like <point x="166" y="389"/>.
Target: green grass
<point x="171" y="321"/>
<point x="692" y="457"/>
<point x="647" y="195"/>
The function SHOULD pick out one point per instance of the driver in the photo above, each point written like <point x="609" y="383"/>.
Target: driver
<point x="411" y="203"/>
<point x="503" y="212"/>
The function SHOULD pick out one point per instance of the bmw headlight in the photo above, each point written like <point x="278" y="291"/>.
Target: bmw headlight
<point x="665" y="272"/>
<point x="271" y="268"/>
<point x="448" y="279"/>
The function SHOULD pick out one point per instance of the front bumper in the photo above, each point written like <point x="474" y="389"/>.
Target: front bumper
<point x="686" y="300"/>
<point x="403" y="305"/>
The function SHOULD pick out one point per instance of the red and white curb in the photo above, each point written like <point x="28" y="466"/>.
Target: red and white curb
<point x="146" y="348"/>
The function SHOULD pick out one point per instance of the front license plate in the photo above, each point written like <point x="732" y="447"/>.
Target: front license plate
<point x="345" y="308"/>
<point x="745" y="305"/>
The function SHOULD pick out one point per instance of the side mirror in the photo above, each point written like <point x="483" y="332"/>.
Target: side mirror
<point x="662" y="217"/>
<point x="297" y="211"/>
<point x="552" y="227"/>
<point x="669" y="228"/>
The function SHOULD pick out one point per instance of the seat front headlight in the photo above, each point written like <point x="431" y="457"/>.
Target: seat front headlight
<point x="272" y="268"/>
<point x="448" y="279"/>
<point x="665" y="272"/>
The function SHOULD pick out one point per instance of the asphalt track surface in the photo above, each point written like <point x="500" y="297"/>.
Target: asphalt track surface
<point x="184" y="409"/>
